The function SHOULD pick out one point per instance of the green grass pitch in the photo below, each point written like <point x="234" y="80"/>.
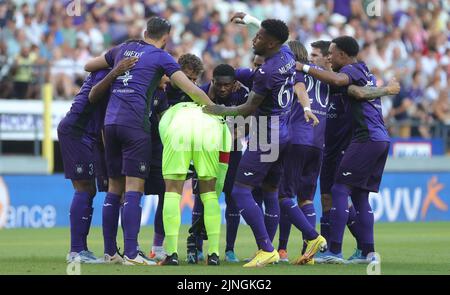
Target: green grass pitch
<point x="405" y="248"/>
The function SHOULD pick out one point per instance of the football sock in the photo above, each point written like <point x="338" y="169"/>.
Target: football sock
<point x="110" y="222"/>
<point x="171" y="221"/>
<point x="212" y="219"/>
<point x="338" y="216"/>
<point x="131" y="222"/>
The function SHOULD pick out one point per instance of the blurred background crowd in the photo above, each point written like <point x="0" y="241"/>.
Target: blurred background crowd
<point x="52" y="39"/>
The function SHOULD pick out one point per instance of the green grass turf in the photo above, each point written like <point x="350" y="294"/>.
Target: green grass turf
<point x="405" y="248"/>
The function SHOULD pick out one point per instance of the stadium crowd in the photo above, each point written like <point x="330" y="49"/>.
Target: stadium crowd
<point x="53" y="39"/>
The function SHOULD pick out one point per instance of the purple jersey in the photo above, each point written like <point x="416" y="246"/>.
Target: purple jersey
<point x="338" y="131"/>
<point x="159" y="105"/>
<point x="86" y="119"/>
<point x="275" y="80"/>
<point x="176" y="95"/>
<point x="245" y="76"/>
<point x="303" y="132"/>
<point x="236" y="98"/>
<point x="132" y="92"/>
<point x="368" y="121"/>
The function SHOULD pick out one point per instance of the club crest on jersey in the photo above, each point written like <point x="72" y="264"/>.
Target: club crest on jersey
<point x="79" y="168"/>
<point x="142" y="167"/>
<point x="125" y="78"/>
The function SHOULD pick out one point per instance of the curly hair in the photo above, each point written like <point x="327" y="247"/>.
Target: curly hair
<point x="191" y="62"/>
<point x="347" y="44"/>
<point x="277" y="29"/>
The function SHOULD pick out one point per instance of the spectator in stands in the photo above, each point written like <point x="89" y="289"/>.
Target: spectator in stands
<point x="22" y="71"/>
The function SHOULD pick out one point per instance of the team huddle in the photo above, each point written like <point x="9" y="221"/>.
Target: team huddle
<point x="140" y="125"/>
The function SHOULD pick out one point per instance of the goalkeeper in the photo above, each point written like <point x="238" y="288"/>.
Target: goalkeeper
<point x="188" y="135"/>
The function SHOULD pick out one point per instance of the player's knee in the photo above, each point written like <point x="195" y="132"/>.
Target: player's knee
<point x="116" y="185"/>
<point x="85" y="186"/>
<point x="207" y="184"/>
<point x="303" y="202"/>
<point x="174" y="186"/>
<point x="134" y="184"/>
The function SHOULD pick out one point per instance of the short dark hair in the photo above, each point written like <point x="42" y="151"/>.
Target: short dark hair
<point x="191" y="62"/>
<point x="157" y="27"/>
<point x="277" y="29"/>
<point x="347" y="44"/>
<point x="323" y="46"/>
<point x="223" y="70"/>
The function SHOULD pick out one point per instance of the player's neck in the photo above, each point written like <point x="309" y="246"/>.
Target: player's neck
<point x="350" y="61"/>
<point x="271" y="52"/>
<point x="155" y="43"/>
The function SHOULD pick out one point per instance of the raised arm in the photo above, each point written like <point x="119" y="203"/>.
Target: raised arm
<point x="196" y="94"/>
<point x="303" y="99"/>
<point x="245" y="19"/>
<point x="332" y="78"/>
<point x="99" y="91"/>
<point x="248" y="108"/>
<point x="368" y="93"/>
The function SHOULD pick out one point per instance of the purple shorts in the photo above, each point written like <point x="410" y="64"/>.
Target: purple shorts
<point x="330" y="163"/>
<point x="78" y="157"/>
<point x="128" y="151"/>
<point x="363" y="164"/>
<point x="301" y="170"/>
<point x="253" y="172"/>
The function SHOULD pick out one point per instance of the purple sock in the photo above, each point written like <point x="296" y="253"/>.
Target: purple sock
<point x="285" y="229"/>
<point x="131" y="222"/>
<point x="325" y="225"/>
<point x="197" y="214"/>
<point x="272" y="214"/>
<point x="338" y="216"/>
<point x="88" y="225"/>
<point x="158" y="237"/>
<point x="353" y="226"/>
<point x="365" y="221"/>
<point x="79" y="220"/>
<point x="110" y="222"/>
<point x="252" y="215"/>
<point x="298" y="219"/>
<point x="232" y="218"/>
<point x="257" y="195"/>
<point x="310" y="214"/>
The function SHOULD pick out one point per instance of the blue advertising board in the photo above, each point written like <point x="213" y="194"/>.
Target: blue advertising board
<point x="44" y="201"/>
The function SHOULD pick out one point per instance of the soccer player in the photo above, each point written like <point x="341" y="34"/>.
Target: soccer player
<point x="190" y="135"/>
<point x="167" y="95"/>
<point x="302" y="160"/>
<point x="79" y="134"/>
<point x="362" y="165"/>
<point x="127" y="127"/>
<point x="223" y="90"/>
<point x="154" y="184"/>
<point x="271" y="97"/>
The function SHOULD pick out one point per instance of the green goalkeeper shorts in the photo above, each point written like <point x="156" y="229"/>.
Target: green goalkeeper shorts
<point x="188" y="135"/>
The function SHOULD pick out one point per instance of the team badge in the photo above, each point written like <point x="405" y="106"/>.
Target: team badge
<point x="79" y="168"/>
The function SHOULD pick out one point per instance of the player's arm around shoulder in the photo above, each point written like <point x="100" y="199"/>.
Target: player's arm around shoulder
<point x="194" y="92"/>
<point x="246" y="109"/>
<point x="368" y="93"/>
<point x="96" y="64"/>
<point x="329" y="77"/>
